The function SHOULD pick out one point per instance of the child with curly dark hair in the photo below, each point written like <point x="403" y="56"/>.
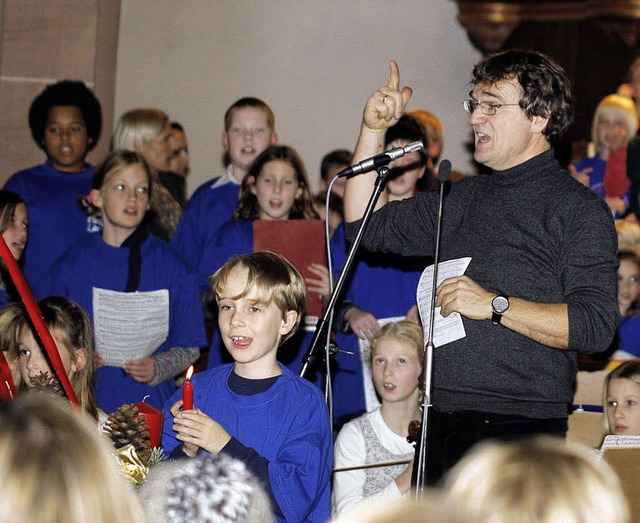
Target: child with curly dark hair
<point x="65" y="121"/>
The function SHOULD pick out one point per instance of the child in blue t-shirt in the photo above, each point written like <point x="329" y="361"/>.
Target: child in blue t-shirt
<point x="255" y="409"/>
<point x="276" y="188"/>
<point x="249" y="128"/>
<point x="138" y="291"/>
<point x="65" y="121"/>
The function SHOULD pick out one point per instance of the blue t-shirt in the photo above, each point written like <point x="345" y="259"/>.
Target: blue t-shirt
<point x="288" y="424"/>
<point x="91" y="264"/>
<point x="56" y="219"/>
<point x="596" y="177"/>
<point x="628" y="335"/>
<point x="210" y="206"/>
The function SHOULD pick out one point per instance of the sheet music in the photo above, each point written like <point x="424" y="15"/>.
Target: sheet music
<point x="613" y="441"/>
<point x="129" y="325"/>
<point x="451" y="328"/>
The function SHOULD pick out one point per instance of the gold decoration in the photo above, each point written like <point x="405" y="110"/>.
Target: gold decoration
<point x="131" y="465"/>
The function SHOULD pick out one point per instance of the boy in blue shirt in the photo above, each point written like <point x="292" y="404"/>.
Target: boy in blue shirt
<point x="255" y="409"/>
<point x="249" y="128"/>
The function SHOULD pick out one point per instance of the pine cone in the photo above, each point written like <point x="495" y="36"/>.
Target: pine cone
<point x="126" y="427"/>
<point x="47" y="384"/>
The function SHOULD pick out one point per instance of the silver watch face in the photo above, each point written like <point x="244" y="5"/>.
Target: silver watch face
<point x="500" y="304"/>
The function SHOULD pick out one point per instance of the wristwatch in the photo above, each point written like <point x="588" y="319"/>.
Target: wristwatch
<point x="499" y="304"/>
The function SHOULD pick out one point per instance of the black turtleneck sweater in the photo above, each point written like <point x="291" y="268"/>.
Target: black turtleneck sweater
<point x="532" y="232"/>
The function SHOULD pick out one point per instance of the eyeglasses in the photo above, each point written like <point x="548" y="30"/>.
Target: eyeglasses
<point x="487" y="108"/>
<point x="632" y="280"/>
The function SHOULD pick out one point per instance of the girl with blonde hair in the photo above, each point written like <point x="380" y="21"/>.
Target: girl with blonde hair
<point x="55" y="467"/>
<point x="621" y="400"/>
<point x="537" y="480"/>
<point x="615" y="123"/>
<point x="380" y="436"/>
<point x="70" y="329"/>
<point x="138" y="291"/>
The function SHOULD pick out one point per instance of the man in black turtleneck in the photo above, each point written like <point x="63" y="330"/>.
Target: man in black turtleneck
<point x="541" y="285"/>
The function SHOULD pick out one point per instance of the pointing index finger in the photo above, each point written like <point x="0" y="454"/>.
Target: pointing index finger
<point x="394" y="75"/>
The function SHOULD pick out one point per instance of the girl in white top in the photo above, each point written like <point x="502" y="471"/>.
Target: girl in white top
<point x="380" y="436"/>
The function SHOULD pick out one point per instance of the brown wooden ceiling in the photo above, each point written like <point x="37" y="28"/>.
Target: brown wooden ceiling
<point x="490" y="24"/>
<point x="594" y="40"/>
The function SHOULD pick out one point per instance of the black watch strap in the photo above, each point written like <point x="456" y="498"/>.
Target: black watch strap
<point x="499" y="304"/>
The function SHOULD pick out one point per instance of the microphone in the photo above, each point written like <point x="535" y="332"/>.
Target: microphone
<point x="444" y="171"/>
<point x="419" y="473"/>
<point x="380" y="160"/>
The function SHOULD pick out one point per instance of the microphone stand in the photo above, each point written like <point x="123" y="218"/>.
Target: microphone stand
<point x="314" y="353"/>
<point x="420" y="468"/>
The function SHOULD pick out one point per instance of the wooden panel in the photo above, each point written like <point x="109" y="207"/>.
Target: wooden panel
<point x="43" y="42"/>
<point x="17" y="148"/>
<point x="49" y="39"/>
<point x="589" y="387"/>
<point x="586" y="428"/>
<point x="626" y="463"/>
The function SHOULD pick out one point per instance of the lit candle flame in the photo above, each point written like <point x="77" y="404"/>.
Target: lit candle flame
<point x="189" y="373"/>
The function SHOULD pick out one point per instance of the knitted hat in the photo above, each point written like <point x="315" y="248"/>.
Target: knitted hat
<point x="216" y="489"/>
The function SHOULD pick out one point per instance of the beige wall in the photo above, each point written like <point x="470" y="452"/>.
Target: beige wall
<point x="315" y="62"/>
<point x="43" y="42"/>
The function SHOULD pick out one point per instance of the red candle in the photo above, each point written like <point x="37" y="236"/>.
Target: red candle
<point x="154" y="419"/>
<point x="38" y="322"/>
<point x="187" y="391"/>
<point x="7" y="387"/>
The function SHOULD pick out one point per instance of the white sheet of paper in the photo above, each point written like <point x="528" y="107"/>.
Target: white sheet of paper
<point x="451" y="328"/>
<point x="370" y="396"/>
<point x="129" y="325"/>
<point x="620" y="441"/>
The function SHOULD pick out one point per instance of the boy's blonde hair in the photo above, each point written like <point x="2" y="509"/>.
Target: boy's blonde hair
<point x="628" y="236"/>
<point x="536" y="480"/>
<point x="620" y="105"/>
<point x="405" y="331"/>
<point x="272" y="277"/>
<point x="629" y="370"/>
<point x="56" y="467"/>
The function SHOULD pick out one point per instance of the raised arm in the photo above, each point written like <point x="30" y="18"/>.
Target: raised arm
<point x="383" y="109"/>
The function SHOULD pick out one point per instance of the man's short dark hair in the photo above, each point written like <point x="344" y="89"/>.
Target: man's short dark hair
<point x="546" y="87"/>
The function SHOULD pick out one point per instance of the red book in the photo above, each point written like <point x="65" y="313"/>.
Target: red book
<point x="302" y="242"/>
<point x="616" y="181"/>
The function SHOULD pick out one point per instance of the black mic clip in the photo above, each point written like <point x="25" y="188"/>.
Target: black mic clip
<point x="380" y="160"/>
